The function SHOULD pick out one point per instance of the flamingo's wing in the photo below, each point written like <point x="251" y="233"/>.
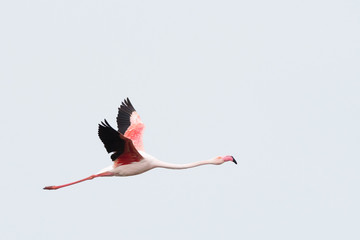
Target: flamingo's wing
<point x="130" y="124"/>
<point x="124" y="151"/>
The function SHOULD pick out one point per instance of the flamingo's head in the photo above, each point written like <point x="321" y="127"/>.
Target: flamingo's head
<point x="221" y="160"/>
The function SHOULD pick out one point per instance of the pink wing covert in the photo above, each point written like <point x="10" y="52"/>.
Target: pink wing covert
<point x="135" y="131"/>
<point x="130" y="124"/>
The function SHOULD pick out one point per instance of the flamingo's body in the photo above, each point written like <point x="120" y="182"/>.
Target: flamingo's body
<point x="127" y="148"/>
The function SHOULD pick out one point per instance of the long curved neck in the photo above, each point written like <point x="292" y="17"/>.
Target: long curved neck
<point x="183" y="166"/>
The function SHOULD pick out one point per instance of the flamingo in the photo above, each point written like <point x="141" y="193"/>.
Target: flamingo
<point x="127" y="148"/>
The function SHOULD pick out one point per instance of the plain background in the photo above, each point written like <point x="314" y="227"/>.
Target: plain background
<point x="274" y="83"/>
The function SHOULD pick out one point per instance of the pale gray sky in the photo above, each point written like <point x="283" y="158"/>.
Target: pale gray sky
<point x="274" y="83"/>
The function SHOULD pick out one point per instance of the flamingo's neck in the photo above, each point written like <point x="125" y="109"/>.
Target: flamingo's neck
<point x="183" y="166"/>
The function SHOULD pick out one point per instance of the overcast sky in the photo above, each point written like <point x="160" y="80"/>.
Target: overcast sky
<point x="274" y="83"/>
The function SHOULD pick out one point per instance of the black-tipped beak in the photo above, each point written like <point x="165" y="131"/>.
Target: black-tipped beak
<point x="234" y="160"/>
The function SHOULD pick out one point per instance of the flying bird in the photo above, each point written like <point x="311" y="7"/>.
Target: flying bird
<point x="127" y="149"/>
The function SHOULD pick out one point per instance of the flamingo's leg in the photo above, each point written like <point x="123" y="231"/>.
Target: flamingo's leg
<point x="104" y="174"/>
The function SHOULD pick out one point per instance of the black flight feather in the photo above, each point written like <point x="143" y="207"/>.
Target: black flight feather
<point x="124" y="113"/>
<point x="111" y="139"/>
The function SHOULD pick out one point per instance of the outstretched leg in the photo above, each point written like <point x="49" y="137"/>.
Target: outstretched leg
<point x="105" y="174"/>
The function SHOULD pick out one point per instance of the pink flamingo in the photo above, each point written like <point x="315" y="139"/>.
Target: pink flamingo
<point x="127" y="148"/>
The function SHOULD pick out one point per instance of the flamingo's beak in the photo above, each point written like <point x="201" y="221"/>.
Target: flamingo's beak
<point x="234" y="160"/>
